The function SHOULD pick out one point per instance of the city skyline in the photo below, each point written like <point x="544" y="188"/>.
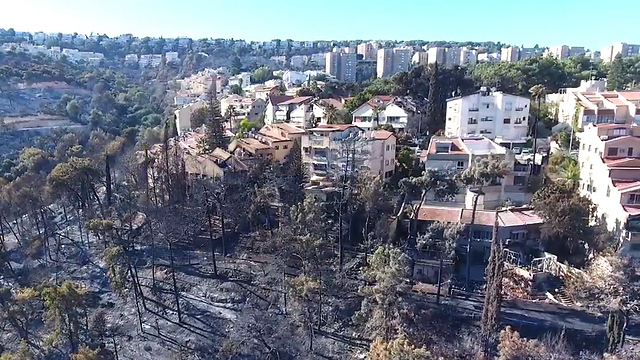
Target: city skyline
<point x="329" y="20"/>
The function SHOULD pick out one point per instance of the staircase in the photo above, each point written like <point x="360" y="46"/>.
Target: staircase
<point x="563" y="297"/>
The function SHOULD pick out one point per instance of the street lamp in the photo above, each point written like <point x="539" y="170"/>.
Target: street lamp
<point x="477" y="192"/>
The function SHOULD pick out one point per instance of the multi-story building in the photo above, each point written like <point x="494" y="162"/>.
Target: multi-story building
<point x="526" y="53"/>
<point x="296" y="111"/>
<point x="452" y="56"/>
<point x="603" y="108"/>
<point x="609" y="53"/>
<point x="131" y="58"/>
<point x="172" y="57"/>
<point x="280" y="137"/>
<point x="566" y="101"/>
<point x="183" y="116"/>
<point x="489" y="57"/>
<point x="342" y="65"/>
<point x="494" y="114"/>
<point x="576" y="51"/>
<point x="460" y="153"/>
<point x="331" y="150"/>
<point x="436" y="55"/>
<point x="368" y="50"/>
<point x="559" y="52"/>
<point x="298" y="61"/>
<point x="237" y="108"/>
<point x="319" y="59"/>
<point x="510" y="54"/>
<point x="609" y="159"/>
<point x="420" y="58"/>
<point x="468" y="56"/>
<point x="385" y="109"/>
<point x="393" y="61"/>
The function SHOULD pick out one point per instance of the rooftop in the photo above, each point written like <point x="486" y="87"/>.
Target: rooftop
<point x="297" y="100"/>
<point x="519" y="216"/>
<point x="333" y="127"/>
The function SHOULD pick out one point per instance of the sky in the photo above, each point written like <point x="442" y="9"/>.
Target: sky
<point x="589" y="23"/>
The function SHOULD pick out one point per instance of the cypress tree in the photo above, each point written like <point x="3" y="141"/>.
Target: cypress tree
<point x="493" y="296"/>
<point x="433" y="100"/>
<point x="214" y="132"/>
<point x="296" y="176"/>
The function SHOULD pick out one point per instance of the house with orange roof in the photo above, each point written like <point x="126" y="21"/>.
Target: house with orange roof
<point x="609" y="159"/>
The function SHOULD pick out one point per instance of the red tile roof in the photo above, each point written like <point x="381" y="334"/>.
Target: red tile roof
<point x="335" y="102"/>
<point x="437" y="213"/>
<point x="291" y="129"/>
<point x="456" y="145"/>
<point x="382" y="134"/>
<point x="278" y="99"/>
<point x="512" y="217"/>
<point x="297" y="100"/>
<point x="625" y="185"/>
<point x="333" y="127"/>
<point x="631" y="209"/>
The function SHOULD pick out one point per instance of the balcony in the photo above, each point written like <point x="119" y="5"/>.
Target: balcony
<point x="319" y="159"/>
<point x="319" y="142"/>
<point x="520" y="108"/>
<point x="474" y="109"/>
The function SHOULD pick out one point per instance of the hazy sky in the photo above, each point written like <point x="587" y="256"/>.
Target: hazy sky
<point x="590" y="23"/>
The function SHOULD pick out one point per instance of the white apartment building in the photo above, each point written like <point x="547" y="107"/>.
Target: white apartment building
<point x="451" y="56"/>
<point x="567" y="102"/>
<point x="368" y="50"/>
<point x="460" y="153"/>
<point x="330" y="150"/>
<point x="298" y="61"/>
<point x="172" y="57"/>
<point x="436" y="55"/>
<point x="468" y="56"/>
<point x="294" y="78"/>
<point x="510" y="54"/>
<point x="319" y="59"/>
<point x="296" y="111"/>
<point x="609" y="53"/>
<point x="609" y="159"/>
<point x="183" y="116"/>
<point x="342" y="65"/>
<point x="495" y="115"/>
<point x="420" y="58"/>
<point x="393" y="61"/>
<point x="489" y="57"/>
<point x="150" y="60"/>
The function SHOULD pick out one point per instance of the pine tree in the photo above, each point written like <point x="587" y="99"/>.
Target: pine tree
<point x="617" y="75"/>
<point x="493" y="297"/>
<point x="296" y="177"/>
<point x="214" y="132"/>
<point x="433" y="123"/>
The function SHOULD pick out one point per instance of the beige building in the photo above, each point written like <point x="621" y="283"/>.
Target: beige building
<point x="330" y="150"/>
<point x="436" y="55"/>
<point x="393" y="61"/>
<point x="510" y="54"/>
<point x="368" y="50"/>
<point x="460" y="153"/>
<point x="420" y="58"/>
<point x="609" y="53"/>
<point x="606" y="107"/>
<point x="566" y="101"/>
<point x="609" y="159"/>
<point x="242" y="107"/>
<point x="280" y="138"/>
<point x="183" y="116"/>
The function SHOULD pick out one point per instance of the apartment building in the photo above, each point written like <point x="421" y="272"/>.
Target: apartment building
<point x="436" y="55"/>
<point x="239" y="107"/>
<point x="468" y="56"/>
<point x="183" y="116"/>
<point x="606" y="107"/>
<point x="296" y="111"/>
<point x="321" y="106"/>
<point x="420" y="58"/>
<point x="384" y="109"/>
<point x="298" y="61"/>
<point x="331" y="150"/>
<point x="526" y="53"/>
<point x="493" y="114"/>
<point x="489" y="57"/>
<point x="452" y="56"/>
<point x="510" y="54"/>
<point x="280" y="136"/>
<point x="368" y="50"/>
<point x="342" y="65"/>
<point x="564" y="51"/>
<point x="609" y="53"/>
<point x="609" y="159"/>
<point x="566" y="101"/>
<point x="393" y="61"/>
<point x="319" y="59"/>
<point x="460" y="153"/>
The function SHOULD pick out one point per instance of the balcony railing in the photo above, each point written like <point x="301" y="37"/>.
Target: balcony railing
<point x="318" y="142"/>
<point x="474" y="109"/>
<point x="519" y="108"/>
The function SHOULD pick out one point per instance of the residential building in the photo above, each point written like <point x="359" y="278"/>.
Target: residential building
<point x="566" y="100"/>
<point x="319" y="60"/>
<point x="460" y="153"/>
<point x="247" y="149"/>
<point x="420" y="58"/>
<point x="436" y="55"/>
<point x="330" y="150"/>
<point x="494" y="114"/>
<point x="577" y="51"/>
<point x="608" y="107"/>
<point x="280" y="137"/>
<point x="489" y="57"/>
<point x="294" y="78"/>
<point x="342" y="65"/>
<point x="242" y="79"/>
<point x="518" y="228"/>
<point x="265" y="91"/>
<point x="184" y="98"/>
<point x="393" y="61"/>
<point x="368" y="50"/>
<point x="172" y="57"/>
<point x="451" y="56"/>
<point x="510" y="54"/>
<point x="468" y="56"/>
<point x="385" y="109"/>
<point x="526" y="53"/>
<point x="131" y="58"/>
<point x="298" y="61"/>
<point x="273" y="103"/>
<point x="183" y="116"/>
<point x="609" y="159"/>
<point x="609" y="53"/>
<point x="296" y="111"/>
<point x="320" y="109"/>
<point x="559" y="52"/>
<point x="150" y="60"/>
<point x="238" y="107"/>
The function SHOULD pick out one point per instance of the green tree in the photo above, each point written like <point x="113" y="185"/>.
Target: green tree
<point x="73" y="110"/>
<point x="65" y="306"/>
<point x="295" y="176"/>
<point x="434" y="122"/>
<point x="387" y="274"/>
<point x="214" y="132"/>
<point x="617" y="77"/>
<point x="493" y="298"/>
<point x="236" y="89"/>
<point x="261" y="74"/>
<point x="397" y="349"/>
<point x="236" y="65"/>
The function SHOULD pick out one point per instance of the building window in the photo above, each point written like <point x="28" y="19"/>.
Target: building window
<point x="630" y="152"/>
<point x="472" y="121"/>
<point x="485" y="131"/>
<point x="595" y="151"/>
<point x="634" y="199"/>
<point x="386" y="162"/>
<point x="589" y="187"/>
<point x="277" y="147"/>
<point x="285" y="147"/>
<point x="608" y="191"/>
<point x="508" y="106"/>
<point x="460" y="165"/>
<point x="618" y="132"/>
<point x="507" y="120"/>
<point x="583" y="146"/>
<point x="590" y="166"/>
<point x="589" y="149"/>
<point x="486" y="105"/>
<point x="612" y="151"/>
<point x="388" y="147"/>
<point x="518" y="121"/>
<point x="488" y="118"/>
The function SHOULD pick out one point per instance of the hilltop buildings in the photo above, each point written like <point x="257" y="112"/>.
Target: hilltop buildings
<point x="342" y="65"/>
<point x="393" y="61"/>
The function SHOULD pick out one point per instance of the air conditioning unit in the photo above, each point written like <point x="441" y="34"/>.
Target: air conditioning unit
<point x="604" y="137"/>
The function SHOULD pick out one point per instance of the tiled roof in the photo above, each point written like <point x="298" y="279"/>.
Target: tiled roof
<point x="335" y="102"/>
<point x="513" y="217"/>
<point x="625" y="185"/>
<point x="381" y="134"/>
<point x="437" y="213"/>
<point x="456" y="145"/>
<point x="278" y="99"/>
<point x="333" y="127"/>
<point x="297" y="100"/>
<point x="631" y="209"/>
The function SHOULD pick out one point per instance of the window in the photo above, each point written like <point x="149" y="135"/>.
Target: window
<point x="612" y="151"/>
<point x="507" y="120"/>
<point x="590" y="166"/>
<point x="486" y="105"/>
<point x="608" y="191"/>
<point x="419" y="271"/>
<point x="583" y="146"/>
<point x="472" y="121"/>
<point x="488" y="118"/>
<point x="460" y="165"/>
<point x="285" y="147"/>
<point x="508" y="106"/>
<point x="589" y="187"/>
<point x="386" y="162"/>
<point x="618" y="132"/>
<point x="518" y="121"/>
<point x="277" y="147"/>
<point x="582" y="165"/>
<point x="388" y="147"/>
<point x="634" y="199"/>
<point x="630" y="152"/>
<point x="485" y="131"/>
<point x="393" y="118"/>
<point x="589" y="149"/>
<point x="595" y="151"/>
